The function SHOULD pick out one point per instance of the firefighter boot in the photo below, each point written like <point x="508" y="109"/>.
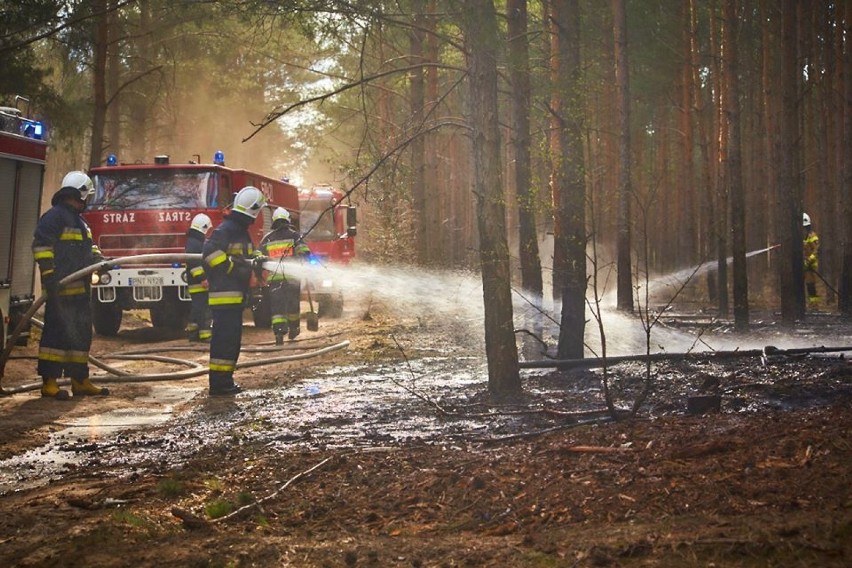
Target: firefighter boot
<point x="279" y="331"/>
<point x="86" y="388"/>
<point x="294" y="330"/>
<point x="49" y="389"/>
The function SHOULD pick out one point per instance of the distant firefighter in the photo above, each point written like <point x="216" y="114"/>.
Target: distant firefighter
<point x="810" y="249"/>
<point x="284" y="244"/>
<point x="198" y="328"/>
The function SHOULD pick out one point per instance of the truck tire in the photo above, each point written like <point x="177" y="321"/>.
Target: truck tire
<point x="261" y="312"/>
<point x="330" y="306"/>
<point x="170" y="313"/>
<point x="106" y="318"/>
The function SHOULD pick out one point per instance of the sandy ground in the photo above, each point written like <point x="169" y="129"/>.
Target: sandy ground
<point x="390" y="453"/>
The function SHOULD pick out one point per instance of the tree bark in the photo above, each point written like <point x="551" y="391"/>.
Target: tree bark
<point x="481" y="39"/>
<point x="568" y="183"/>
<point x="99" y="82"/>
<point x="531" y="279"/>
<point x="846" y="189"/>
<point x="734" y="163"/>
<point x="789" y="206"/>
<point x="622" y="87"/>
<point x="417" y="99"/>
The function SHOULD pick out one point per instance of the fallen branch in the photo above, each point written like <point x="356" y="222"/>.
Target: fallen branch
<point x="274" y="493"/>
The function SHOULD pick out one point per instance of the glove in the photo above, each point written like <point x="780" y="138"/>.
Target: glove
<point x="242" y="267"/>
<point x="51" y="287"/>
<point x="257" y="265"/>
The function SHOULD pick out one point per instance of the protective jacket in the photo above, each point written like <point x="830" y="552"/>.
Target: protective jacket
<point x="810" y="247"/>
<point x="63" y="245"/>
<point x="195" y="268"/>
<point x="198" y="326"/>
<point x="282" y="243"/>
<point x="228" y="255"/>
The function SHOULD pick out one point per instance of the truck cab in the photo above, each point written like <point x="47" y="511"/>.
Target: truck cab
<point x="329" y="227"/>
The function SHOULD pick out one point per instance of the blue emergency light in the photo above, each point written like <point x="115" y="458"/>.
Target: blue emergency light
<point x="219" y="158"/>
<point x="112" y="160"/>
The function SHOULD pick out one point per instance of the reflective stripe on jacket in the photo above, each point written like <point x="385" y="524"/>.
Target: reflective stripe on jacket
<point x="62" y="245"/>
<point x="228" y="284"/>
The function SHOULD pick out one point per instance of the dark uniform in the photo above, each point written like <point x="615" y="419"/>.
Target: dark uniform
<point x="63" y="245"/>
<point x="284" y="244"/>
<point x="228" y="255"/>
<point x="198" y="328"/>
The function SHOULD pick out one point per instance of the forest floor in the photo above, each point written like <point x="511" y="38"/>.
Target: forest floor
<point x="390" y="453"/>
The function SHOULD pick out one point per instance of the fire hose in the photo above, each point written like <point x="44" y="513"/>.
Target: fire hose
<point x="121" y="376"/>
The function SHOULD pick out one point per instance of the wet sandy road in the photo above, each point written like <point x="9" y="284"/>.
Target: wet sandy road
<point x="396" y="385"/>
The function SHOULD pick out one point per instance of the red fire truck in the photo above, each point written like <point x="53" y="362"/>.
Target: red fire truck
<point x="147" y="208"/>
<point x="22" y="157"/>
<point x="330" y="227"/>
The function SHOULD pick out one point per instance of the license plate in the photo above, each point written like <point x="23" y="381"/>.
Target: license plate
<point x="147" y="281"/>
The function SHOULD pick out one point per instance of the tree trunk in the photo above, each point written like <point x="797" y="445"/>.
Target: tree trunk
<point x="481" y="39"/>
<point x="706" y="185"/>
<point x="99" y="82"/>
<point x="417" y="98"/>
<point x="721" y="168"/>
<point x="568" y="183"/>
<point x="622" y="87"/>
<point x="789" y="208"/>
<point x="846" y="189"/>
<point x="531" y="277"/>
<point x="113" y="76"/>
<point x="735" y="182"/>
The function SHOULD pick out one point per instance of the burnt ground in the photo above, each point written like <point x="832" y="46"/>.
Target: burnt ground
<point x="390" y="453"/>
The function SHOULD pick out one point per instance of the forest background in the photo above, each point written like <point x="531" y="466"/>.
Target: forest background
<point x="512" y="137"/>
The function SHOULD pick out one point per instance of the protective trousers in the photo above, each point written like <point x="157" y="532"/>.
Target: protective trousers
<point x="225" y="346"/>
<point x="198" y="328"/>
<point x="284" y="305"/>
<point x="66" y="338"/>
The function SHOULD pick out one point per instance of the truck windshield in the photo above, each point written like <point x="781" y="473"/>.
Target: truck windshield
<point x="311" y="211"/>
<point x="154" y="189"/>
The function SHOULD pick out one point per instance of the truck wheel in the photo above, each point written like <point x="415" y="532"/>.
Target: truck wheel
<point x="106" y="318"/>
<point x="261" y="312"/>
<point x="331" y="306"/>
<point x="170" y="314"/>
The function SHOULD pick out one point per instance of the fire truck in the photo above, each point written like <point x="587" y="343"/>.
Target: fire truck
<point x="147" y="208"/>
<point x="22" y="157"/>
<point x="329" y="227"/>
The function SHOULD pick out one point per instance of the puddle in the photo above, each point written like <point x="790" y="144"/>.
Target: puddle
<point x="71" y="446"/>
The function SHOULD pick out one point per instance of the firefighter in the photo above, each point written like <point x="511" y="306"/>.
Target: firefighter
<point x="63" y="245"/>
<point x="228" y="261"/>
<point x="810" y="248"/>
<point x="283" y="244"/>
<point x="198" y="328"/>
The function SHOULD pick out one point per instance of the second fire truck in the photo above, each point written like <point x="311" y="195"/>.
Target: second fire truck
<point x="329" y="227"/>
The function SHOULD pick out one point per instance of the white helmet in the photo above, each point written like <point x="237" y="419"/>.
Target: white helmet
<point x="249" y="201"/>
<point x="806" y="220"/>
<point x="80" y="181"/>
<point x="201" y="223"/>
<point x="281" y="214"/>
